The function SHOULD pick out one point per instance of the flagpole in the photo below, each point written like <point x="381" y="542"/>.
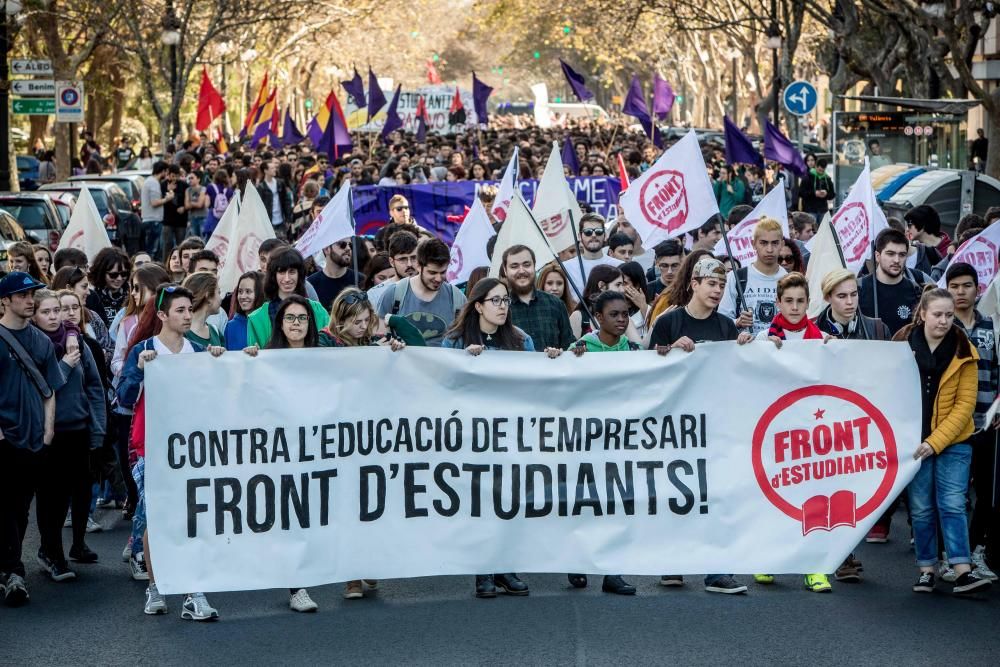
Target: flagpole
<point x="840" y="250"/>
<point x="562" y="266"/>
<point x="740" y="303"/>
<point x="874" y="277"/>
<point x="354" y="229"/>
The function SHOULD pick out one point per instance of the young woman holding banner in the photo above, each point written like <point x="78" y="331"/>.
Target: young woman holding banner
<point x="286" y="275"/>
<point x="947" y="362"/>
<point x="161" y="330"/>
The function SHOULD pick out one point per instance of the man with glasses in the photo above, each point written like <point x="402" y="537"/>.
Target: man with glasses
<point x="591" y="231"/>
<point x="399" y="210"/>
<point x="336" y="275"/>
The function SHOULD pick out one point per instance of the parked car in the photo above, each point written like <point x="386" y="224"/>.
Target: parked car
<point x="131" y="185"/>
<point x="27" y="172"/>
<point x="10" y="233"/>
<point x="36" y="214"/>
<point x="112" y="204"/>
<point x="64" y="207"/>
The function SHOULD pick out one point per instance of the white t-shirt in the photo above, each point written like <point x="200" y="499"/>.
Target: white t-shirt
<point x="760" y="295"/>
<point x="160" y="348"/>
<point x="573" y="269"/>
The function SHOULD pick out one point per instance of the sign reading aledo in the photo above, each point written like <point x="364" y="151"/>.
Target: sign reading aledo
<point x="34" y="107"/>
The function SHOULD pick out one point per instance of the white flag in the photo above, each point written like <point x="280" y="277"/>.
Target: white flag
<point x="508" y="186"/>
<point x="520" y="229"/>
<point x="741" y="236"/>
<point x="981" y="252"/>
<point x="86" y="230"/>
<point x="556" y="209"/>
<point x="673" y="196"/>
<point x="218" y="242"/>
<point x="824" y="259"/>
<point x="334" y="223"/>
<point x="252" y="227"/>
<point x="857" y="222"/>
<point x="469" y="249"/>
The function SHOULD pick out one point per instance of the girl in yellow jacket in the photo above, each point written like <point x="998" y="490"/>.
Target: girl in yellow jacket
<point x="948" y="385"/>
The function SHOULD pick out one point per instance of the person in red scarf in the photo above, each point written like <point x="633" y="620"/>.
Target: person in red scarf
<point x="792" y="322"/>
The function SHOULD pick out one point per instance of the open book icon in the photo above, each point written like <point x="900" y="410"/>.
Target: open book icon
<point x="828" y="512"/>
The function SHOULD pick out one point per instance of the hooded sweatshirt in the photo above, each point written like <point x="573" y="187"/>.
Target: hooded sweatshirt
<point x="594" y="344"/>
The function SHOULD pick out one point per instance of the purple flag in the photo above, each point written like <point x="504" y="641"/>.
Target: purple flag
<point x="663" y="97"/>
<point x="779" y="149"/>
<point x="569" y="156"/>
<point x="480" y="94"/>
<point x="392" y="120"/>
<point x="290" y="134"/>
<point x="635" y="105"/>
<point x="336" y="138"/>
<point x="355" y="89"/>
<point x="376" y="100"/>
<point x="739" y="148"/>
<point x="575" y="81"/>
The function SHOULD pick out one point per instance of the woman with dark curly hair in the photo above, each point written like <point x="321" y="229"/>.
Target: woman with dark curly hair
<point x="109" y="274"/>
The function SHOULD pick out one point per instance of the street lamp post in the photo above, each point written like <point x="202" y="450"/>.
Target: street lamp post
<point x="774" y="43"/>
<point x="171" y="37"/>
<point x="11" y="8"/>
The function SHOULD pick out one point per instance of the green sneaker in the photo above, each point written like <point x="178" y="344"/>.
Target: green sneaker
<point x="818" y="583"/>
<point x="766" y="579"/>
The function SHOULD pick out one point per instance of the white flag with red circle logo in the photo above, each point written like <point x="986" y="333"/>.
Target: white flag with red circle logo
<point x="555" y="208"/>
<point x="741" y="236"/>
<point x="86" y="230"/>
<point x="253" y="227"/>
<point x="858" y="221"/>
<point x="469" y="249"/>
<point x="673" y="196"/>
<point x="508" y="185"/>
<point x="981" y="252"/>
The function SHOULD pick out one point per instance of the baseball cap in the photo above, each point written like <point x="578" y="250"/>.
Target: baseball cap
<point x="16" y="282"/>
<point x="708" y="267"/>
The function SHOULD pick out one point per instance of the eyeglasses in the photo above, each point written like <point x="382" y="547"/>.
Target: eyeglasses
<point x="593" y="232"/>
<point x="498" y="300"/>
<point x="72" y="309"/>
<point x="169" y="289"/>
<point x="353" y="298"/>
<point x="786" y="259"/>
<point x="301" y="319"/>
<point x="115" y="275"/>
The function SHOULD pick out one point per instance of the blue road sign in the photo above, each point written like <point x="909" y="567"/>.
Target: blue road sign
<point x="800" y="98"/>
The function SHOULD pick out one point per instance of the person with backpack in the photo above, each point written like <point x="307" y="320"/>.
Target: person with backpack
<point x="755" y="307"/>
<point x="427" y="300"/>
<point x="31" y="375"/>
<point x="219" y="195"/>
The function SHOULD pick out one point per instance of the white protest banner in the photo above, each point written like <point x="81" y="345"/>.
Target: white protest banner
<point x="673" y="196"/>
<point x="218" y="242"/>
<point x="741" y="236"/>
<point x="782" y="467"/>
<point x="253" y="227"/>
<point x="858" y="221"/>
<point x="555" y="207"/>
<point x="520" y="229"/>
<point x="508" y="186"/>
<point x="469" y="249"/>
<point x="334" y="223"/>
<point x="825" y="258"/>
<point x="85" y="230"/>
<point x="981" y="252"/>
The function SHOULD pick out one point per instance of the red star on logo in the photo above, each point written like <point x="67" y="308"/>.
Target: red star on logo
<point x="819" y="414"/>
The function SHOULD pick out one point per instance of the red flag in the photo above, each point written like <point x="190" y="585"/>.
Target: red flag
<point x="432" y="73"/>
<point x="456" y="102"/>
<point x="210" y="103"/>
<point x="622" y="173"/>
<point x="422" y="109"/>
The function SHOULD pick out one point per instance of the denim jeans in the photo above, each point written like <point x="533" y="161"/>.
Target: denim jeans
<point x="938" y="493"/>
<point x="153" y="229"/>
<point x="139" y="518"/>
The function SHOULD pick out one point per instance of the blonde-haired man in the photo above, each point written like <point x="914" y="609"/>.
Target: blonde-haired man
<point x="754" y="309"/>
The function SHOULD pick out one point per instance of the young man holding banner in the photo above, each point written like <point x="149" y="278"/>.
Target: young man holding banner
<point x="541" y="315"/>
<point x="759" y="281"/>
<point x="897" y="295"/>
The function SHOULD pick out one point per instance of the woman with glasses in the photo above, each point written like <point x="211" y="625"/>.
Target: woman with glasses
<point x="75" y="279"/>
<point x="484" y="323"/>
<point x="108" y="275"/>
<point x="286" y="276"/>
<point x="790" y="257"/>
<point x="353" y="323"/>
<point x="248" y="297"/>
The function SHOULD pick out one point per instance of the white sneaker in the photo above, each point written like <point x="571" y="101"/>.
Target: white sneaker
<point x="93" y="526"/>
<point x="155" y="603"/>
<point x="947" y="573"/>
<point x="137" y="564"/>
<point x="300" y="601"/>
<point x="68" y="523"/>
<point x="127" y="551"/>
<point x="196" y="608"/>
<point x="979" y="563"/>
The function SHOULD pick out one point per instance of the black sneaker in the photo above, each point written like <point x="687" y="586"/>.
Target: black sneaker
<point x="15" y="592"/>
<point x="485" y="587"/>
<point x="925" y="584"/>
<point x="82" y="554"/>
<point x="726" y="585"/>
<point x="970" y="582"/>
<point x="613" y="583"/>
<point x="57" y="570"/>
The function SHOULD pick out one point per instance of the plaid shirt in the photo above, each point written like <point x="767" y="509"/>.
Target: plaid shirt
<point x="544" y="318"/>
<point x="984" y="338"/>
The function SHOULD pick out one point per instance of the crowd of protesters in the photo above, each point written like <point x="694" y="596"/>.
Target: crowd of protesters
<point x="76" y="333"/>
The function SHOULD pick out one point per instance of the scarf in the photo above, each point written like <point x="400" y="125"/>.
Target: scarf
<point x="780" y="325"/>
<point x="59" y="336"/>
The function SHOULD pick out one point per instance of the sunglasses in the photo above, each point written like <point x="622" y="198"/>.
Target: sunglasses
<point x="401" y="208"/>
<point x="115" y="275"/>
<point x="301" y="319"/>
<point x="497" y="301"/>
<point x="353" y="298"/>
<point x="786" y="259"/>
<point x="169" y="289"/>
<point x="593" y="232"/>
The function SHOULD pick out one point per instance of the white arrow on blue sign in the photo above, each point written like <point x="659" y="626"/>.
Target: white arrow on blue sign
<point x="800" y="98"/>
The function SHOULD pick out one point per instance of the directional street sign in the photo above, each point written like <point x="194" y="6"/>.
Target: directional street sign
<point x="69" y="101"/>
<point x="34" y="107"/>
<point x="31" y="67"/>
<point x="800" y="98"/>
<point x="33" y="87"/>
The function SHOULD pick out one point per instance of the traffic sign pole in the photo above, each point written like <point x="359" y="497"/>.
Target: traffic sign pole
<point x="4" y="105"/>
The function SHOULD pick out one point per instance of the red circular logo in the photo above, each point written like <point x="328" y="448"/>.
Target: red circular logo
<point x="810" y="442"/>
<point x="553" y="225"/>
<point x="456" y="264"/>
<point x="663" y="199"/>
<point x="247" y="258"/>
<point x="851" y="223"/>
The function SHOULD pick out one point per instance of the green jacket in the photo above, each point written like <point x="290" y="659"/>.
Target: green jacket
<point x="259" y="323"/>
